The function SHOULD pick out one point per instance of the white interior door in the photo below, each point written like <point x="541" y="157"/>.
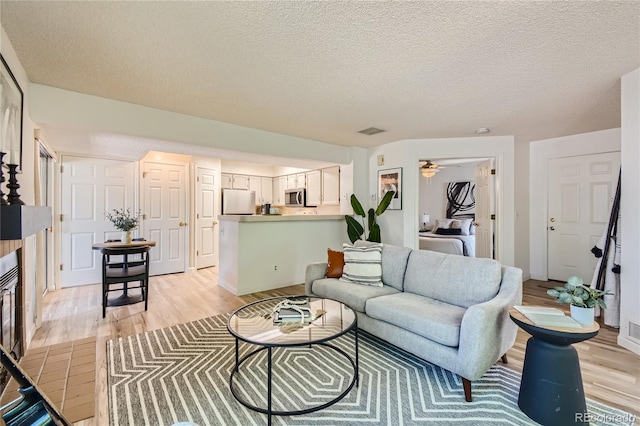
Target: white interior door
<point x="206" y="213"/>
<point x="165" y="211"/>
<point x="580" y="194"/>
<point x="89" y="188"/>
<point x="484" y="209"/>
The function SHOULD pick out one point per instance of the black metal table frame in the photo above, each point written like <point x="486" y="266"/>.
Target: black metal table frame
<point x="269" y="348"/>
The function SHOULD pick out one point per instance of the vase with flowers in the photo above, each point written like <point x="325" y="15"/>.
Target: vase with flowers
<point x="581" y="298"/>
<point x="126" y="221"/>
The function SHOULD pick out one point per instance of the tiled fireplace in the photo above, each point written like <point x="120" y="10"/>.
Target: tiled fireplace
<point x="16" y="223"/>
<point x="11" y="302"/>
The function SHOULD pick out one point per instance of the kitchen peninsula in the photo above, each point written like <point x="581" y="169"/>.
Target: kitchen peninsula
<point x="263" y="252"/>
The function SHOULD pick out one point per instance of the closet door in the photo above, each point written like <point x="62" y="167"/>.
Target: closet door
<point x="89" y="188"/>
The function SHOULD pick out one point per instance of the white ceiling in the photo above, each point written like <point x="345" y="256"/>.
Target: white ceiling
<point x="324" y="70"/>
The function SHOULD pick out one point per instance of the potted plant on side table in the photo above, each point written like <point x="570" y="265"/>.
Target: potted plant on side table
<point x="582" y="299"/>
<point x="125" y="221"/>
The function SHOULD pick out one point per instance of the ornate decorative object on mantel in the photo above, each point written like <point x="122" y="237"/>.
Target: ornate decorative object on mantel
<point x="3" y="202"/>
<point x="13" y="197"/>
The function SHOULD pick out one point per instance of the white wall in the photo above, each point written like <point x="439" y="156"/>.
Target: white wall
<point x="540" y="154"/>
<point x="399" y="226"/>
<point x="27" y="185"/>
<point x="247" y="168"/>
<point x="522" y="207"/>
<point x="630" y="210"/>
<point x="76" y="110"/>
<point x="432" y="191"/>
<point x="263" y="255"/>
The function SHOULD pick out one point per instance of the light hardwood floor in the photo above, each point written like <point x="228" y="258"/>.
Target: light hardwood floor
<point x="611" y="374"/>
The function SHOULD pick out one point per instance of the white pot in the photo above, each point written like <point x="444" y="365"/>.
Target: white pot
<point x="583" y="315"/>
<point x="127" y="237"/>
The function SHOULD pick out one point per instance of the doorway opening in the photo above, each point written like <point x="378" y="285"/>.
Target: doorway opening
<point x="456" y="206"/>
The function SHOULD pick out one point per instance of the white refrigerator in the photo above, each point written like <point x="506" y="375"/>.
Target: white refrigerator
<point x="236" y="201"/>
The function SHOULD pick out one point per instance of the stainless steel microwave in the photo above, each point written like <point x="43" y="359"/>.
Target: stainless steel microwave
<point x="295" y="197"/>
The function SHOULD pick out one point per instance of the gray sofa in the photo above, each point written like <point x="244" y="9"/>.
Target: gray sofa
<point x="449" y="310"/>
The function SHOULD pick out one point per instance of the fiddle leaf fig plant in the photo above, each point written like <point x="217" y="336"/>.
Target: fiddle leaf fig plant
<point x="574" y="292"/>
<point x="355" y="229"/>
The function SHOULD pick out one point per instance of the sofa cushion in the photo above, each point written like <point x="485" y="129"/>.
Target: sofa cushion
<point x="458" y="280"/>
<point x="394" y="263"/>
<point x="335" y="263"/>
<point x="362" y="264"/>
<point x="353" y="295"/>
<point x="429" y="318"/>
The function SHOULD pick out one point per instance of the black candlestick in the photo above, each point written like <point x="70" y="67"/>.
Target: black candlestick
<point x="13" y="197"/>
<point x="3" y="202"/>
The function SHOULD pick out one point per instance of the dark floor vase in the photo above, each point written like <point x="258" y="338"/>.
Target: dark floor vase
<point x="551" y="391"/>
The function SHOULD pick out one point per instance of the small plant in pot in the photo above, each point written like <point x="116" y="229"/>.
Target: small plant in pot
<point x="583" y="299"/>
<point x="125" y="221"/>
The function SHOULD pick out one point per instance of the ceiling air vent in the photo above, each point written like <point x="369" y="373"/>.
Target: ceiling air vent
<point x="371" y="131"/>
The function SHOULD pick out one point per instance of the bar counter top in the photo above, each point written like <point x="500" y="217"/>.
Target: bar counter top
<point x="280" y="218"/>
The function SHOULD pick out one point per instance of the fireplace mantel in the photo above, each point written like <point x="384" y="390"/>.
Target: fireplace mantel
<point x="18" y="222"/>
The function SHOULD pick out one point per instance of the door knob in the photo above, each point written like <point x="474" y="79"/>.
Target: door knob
<point x="553" y="219"/>
<point x="182" y="224"/>
<point x="214" y="223"/>
<point x="552" y="228"/>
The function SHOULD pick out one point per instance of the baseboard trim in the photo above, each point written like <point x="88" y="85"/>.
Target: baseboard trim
<point x="628" y="344"/>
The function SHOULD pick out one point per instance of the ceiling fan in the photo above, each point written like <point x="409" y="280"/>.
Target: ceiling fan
<point x="429" y="168"/>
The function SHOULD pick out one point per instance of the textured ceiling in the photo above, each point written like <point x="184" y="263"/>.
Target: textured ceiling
<point x="324" y="70"/>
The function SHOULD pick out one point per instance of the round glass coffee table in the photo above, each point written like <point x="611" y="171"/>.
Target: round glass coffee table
<point x="254" y="324"/>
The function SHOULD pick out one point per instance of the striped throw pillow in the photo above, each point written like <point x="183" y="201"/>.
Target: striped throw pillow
<point x="363" y="264"/>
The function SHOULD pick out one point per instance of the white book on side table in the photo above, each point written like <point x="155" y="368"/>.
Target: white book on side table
<point x="524" y="310"/>
<point x="547" y="317"/>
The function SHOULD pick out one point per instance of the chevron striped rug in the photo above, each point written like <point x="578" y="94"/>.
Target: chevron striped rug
<point x="181" y="374"/>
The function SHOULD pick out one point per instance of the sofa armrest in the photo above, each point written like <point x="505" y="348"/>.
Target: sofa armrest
<point x="487" y="332"/>
<point x="315" y="271"/>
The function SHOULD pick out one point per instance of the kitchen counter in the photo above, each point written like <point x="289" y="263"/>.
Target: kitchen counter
<point x="279" y="218"/>
<point x="264" y="252"/>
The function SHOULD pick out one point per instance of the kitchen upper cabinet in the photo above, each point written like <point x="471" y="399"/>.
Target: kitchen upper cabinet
<point x="226" y="180"/>
<point x="255" y="185"/>
<point x="276" y="192"/>
<point x="266" y="184"/>
<point x="296" y="181"/>
<point x="240" y="182"/>
<point x="291" y="181"/>
<point x="301" y="180"/>
<point x="331" y="186"/>
<point x="283" y="181"/>
<point x="263" y="187"/>
<point x="314" y="192"/>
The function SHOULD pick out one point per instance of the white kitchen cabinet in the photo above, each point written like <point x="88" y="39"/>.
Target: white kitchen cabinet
<point x="276" y="200"/>
<point x="314" y="191"/>
<point x="266" y="186"/>
<point x="240" y="182"/>
<point x="255" y="185"/>
<point x="283" y="187"/>
<point x="291" y="182"/>
<point x="296" y="181"/>
<point x="301" y="180"/>
<point x="226" y="180"/>
<point x="330" y="186"/>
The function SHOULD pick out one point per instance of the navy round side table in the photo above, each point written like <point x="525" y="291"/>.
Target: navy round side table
<point x="551" y="391"/>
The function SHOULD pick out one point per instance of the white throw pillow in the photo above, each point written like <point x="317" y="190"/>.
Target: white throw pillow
<point x="462" y="224"/>
<point x="362" y="264"/>
<point x="442" y="223"/>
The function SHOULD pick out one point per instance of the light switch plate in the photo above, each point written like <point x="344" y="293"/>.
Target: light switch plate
<point x="381" y="160"/>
